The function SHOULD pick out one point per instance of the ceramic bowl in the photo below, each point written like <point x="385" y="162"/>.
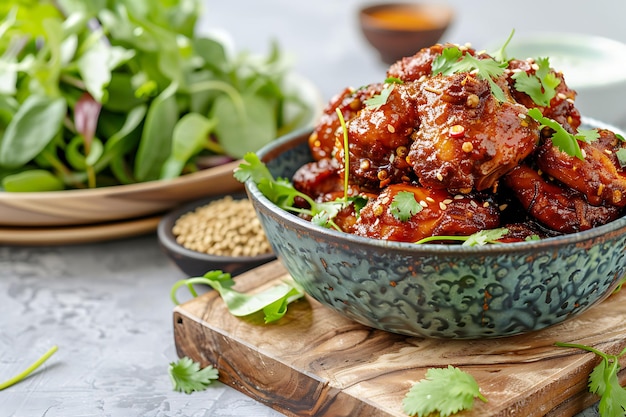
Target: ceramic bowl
<point x="397" y="30"/>
<point x="593" y="66"/>
<point x="194" y="263"/>
<point x="439" y="291"/>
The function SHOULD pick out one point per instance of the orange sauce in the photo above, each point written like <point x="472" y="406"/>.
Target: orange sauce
<point x="406" y="18"/>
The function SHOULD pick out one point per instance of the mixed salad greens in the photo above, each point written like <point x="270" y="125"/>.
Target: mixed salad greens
<point x="106" y="92"/>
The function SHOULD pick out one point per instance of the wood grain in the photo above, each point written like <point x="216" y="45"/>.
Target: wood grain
<point x="314" y="362"/>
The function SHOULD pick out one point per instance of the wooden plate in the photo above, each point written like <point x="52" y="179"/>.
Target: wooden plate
<point x="116" y="203"/>
<point x="69" y="235"/>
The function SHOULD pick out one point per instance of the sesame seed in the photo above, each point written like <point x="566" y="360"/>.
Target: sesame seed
<point x="439" y="176"/>
<point x="535" y="67"/>
<point x="459" y="197"/>
<point x="486" y="204"/>
<point x="503" y="207"/>
<point x="442" y="206"/>
<point x="608" y="152"/>
<point x="391" y="129"/>
<point x="430" y="199"/>
<point x="473" y="204"/>
<point x="582" y="151"/>
<point x="423" y="203"/>
<point x="562" y="96"/>
<point x="447" y="201"/>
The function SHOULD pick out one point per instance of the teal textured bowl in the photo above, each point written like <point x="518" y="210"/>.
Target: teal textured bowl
<point x="453" y="292"/>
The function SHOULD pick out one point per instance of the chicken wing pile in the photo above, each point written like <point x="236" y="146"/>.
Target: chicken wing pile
<point x="453" y="129"/>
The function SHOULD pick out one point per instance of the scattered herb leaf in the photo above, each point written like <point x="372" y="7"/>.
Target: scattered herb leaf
<point x="272" y="302"/>
<point x="187" y="376"/>
<point x="485" y="69"/>
<point x="444" y="390"/>
<point x="561" y="138"/>
<point x="443" y="63"/>
<point x="282" y="193"/>
<point x="620" y="137"/>
<point x="621" y="157"/>
<point x="404" y="206"/>
<point x="477" y="239"/>
<point x="381" y="98"/>
<point x="346" y="154"/>
<point x="540" y="86"/>
<point x="22" y="375"/>
<point x="603" y="381"/>
<point x="500" y="54"/>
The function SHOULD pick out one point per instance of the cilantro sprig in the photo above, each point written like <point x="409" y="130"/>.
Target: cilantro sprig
<point x="452" y="60"/>
<point x="480" y="238"/>
<point x="445" y="391"/>
<point x="540" y="86"/>
<point x="404" y="206"/>
<point x="603" y="381"/>
<point x="272" y="302"/>
<point x="282" y="193"/>
<point x="187" y="376"/>
<point x="561" y="138"/>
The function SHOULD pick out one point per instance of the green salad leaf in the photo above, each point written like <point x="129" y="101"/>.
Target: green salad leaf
<point x="272" y="302"/>
<point x="141" y="68"/>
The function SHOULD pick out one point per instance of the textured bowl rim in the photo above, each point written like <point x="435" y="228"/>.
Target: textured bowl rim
<point x="617" y="226"/>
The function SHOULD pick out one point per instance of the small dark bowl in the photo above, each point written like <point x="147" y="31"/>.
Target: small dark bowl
<point x="439" y="291"/>
<point x="195" y="263"/>
<point x="398" y="30"/>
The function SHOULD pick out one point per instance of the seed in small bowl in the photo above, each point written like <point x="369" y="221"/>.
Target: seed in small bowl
<point x="219" y="233"/>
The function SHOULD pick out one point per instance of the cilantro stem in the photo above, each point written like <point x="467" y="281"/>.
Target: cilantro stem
<point x="437" y="238"/>
<point x="583" y="347"/>
<point x="19" y="377"/>
<point x="346" y="154"/>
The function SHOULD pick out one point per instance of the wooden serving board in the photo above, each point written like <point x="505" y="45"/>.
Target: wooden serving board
<point x="314" y="362"/>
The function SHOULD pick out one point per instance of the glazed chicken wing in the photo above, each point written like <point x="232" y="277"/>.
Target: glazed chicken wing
<point x="467" y="139"/>
<point x="349" y="102"/>
<point x="379" y="138"/>
<point x="442" y="214"/>
<point x="599" y="176"/>
<point x="559" y="208"/>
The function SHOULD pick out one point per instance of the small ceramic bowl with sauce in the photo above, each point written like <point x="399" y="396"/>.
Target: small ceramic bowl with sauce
<point x="397" y="30"/>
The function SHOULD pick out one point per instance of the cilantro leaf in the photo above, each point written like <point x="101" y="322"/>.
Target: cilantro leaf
<point x="482" y="237"/>
<point x="452" y="60"/>
<point x="561" y="138"/>
<point x="603" y="381"/>
<point x="442" y="63"/>
<point x="272" y="301"/>
<point x="444" y="390"/>
<point x="485" y="236"/>
<point x="186" y="375"/>
<point x="381" y="98"/>
<point x="404" y="206"/>
<point x="540" y="86"/>
<point x="621" y="157"/>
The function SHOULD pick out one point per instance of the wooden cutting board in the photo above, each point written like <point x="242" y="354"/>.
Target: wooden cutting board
<point x="314" y="362"/>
